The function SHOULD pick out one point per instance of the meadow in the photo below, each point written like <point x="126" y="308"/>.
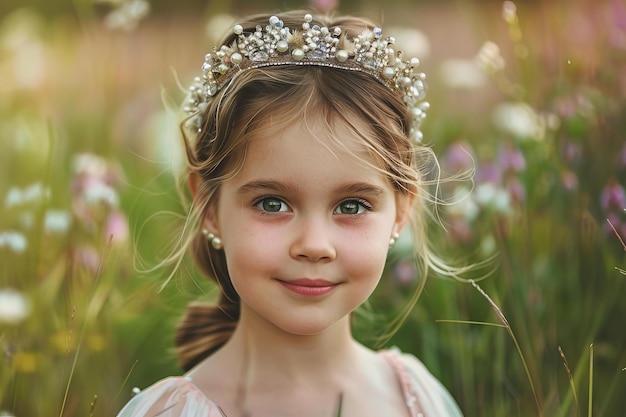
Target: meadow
<point x="528" y="96"/>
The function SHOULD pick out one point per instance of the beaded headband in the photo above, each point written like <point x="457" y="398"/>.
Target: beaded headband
<point x="276" y="44"/>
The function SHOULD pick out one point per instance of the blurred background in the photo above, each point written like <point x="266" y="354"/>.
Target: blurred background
<point x="528" y="94"/>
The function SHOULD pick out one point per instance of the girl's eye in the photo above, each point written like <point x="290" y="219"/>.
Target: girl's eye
<point x="272" y="205"/>
<point x="352" y="207"/>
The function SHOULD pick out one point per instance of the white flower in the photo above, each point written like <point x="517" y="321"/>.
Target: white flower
<point x="57" y="221"/>
<point x="488" y="245"/>
<point x="496" y="198"/>
<point x="520" y="120"/>
<point x="14" y="307"/>
<point x="30" y="194"/>
<point x="411" y="42"/>
<point x="489" y="58"/>
<point x="99" y="192"/>
<point x="462" y="73"/>
<point x="463" y="204"/>
<point x="13" y="240"/>
<point x="127" y="14"/>
<point x="91" y="165"/>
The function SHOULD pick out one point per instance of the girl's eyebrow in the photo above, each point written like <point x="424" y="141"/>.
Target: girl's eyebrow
<point x="265" y="186"/>
<point x="362" y="188"/>
<point x="287" y="187"/>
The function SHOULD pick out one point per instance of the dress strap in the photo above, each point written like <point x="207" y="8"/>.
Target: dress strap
<point x="408" y="390"/>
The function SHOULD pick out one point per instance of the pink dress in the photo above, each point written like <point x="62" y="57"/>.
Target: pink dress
<point x="425" y="396"/>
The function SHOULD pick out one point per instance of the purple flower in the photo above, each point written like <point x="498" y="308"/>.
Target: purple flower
<point x="324" y="5"/>
<point x="459" y="157"/>
<point x="613" y="198"/>
<point x="511" y="159"/>
<point x="569" y="180"/>
<point x="516" y="190"/>
<point x="489" y="173"/>
<point x="404" y="272"/>
<point x="571" y="152"/>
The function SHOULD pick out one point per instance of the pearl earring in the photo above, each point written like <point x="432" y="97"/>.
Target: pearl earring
<point x="393" y="239"/>
<point x="216" y="242"/>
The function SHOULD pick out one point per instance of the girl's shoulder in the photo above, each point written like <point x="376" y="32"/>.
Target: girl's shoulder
<point x="425" y="395"/>
<point x="171" y="397"/>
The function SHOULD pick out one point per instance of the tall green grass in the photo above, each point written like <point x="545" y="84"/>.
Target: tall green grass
<point x="540" y="336"/>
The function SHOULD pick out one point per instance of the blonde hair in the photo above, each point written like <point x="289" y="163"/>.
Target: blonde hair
<point x="285" y="93"/>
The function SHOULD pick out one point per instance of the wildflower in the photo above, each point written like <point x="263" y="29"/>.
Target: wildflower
<point x="458" y="158"/>
<point x="22" y="41"/>
<point x="569" y="180"/>
<point x="495" y="198"/>
<point x="516" y="190"/>
<point x="509" y="12"/>
<point x="116" y="227"/>
<point x="57" y="221"/>
<point x="488" y="245"/>
<point x="489" y="173"/>
<point x="13" y="240"/>
<point x="462" y="74"/>
<point x="324" y="5"/>
<point x="613" y="197"/>
<point x="126" y="14"/>
<point x="404" y="272"/>
<point x="459" y="229"/>
<point x="519" y="120"/>
<point x="463" y="205"/>
<point x="411" y="41"/>
<point x="88" y="257"/>
<point x="93" y="192"/>
<point x="489" y="58"/>
<point x="511" y="159"/>
<point x="14" y="307"/>
<point x="572" y="152"/>
<point x="31" y="194"/>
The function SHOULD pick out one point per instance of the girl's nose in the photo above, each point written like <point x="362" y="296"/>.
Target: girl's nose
<point x="313" y="241"/>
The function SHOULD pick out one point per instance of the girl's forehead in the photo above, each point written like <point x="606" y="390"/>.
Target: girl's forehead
<point x="313" y="148"/>
<point x="345" y="136"/>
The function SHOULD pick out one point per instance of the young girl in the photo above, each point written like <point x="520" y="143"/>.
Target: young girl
<point x="305" y="165"/>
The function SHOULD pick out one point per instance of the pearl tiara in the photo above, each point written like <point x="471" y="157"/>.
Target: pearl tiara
<point x="276" y="44"/>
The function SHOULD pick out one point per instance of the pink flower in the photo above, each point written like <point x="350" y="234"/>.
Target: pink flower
<point x="404" y="272"/>
<point x="116" y="227"/>
<point x="571" y="152"/>
<point x="613" y="198"/>
<point x="511" y="159"/>
<point x="87" y="257"/>
<point x="459" y="157"/>
<point x="324" y="5"/>
<point x="516" y="190"/>
<point x="489" y="173"/>
<point x="569" y="180"/>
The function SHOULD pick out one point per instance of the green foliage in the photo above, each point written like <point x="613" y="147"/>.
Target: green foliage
<point x="89" y="203"/>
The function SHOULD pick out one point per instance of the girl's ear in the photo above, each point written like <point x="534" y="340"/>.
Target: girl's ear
<point x="208" y="216"/>
<point x="404" y="209"/>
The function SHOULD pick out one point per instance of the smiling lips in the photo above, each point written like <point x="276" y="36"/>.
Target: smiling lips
<point x="309" y="287"/>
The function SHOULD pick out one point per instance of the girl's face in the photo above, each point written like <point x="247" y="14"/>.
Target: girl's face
<point x="305" y="227"/>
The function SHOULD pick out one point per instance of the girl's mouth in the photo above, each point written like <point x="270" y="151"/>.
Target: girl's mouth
<point x="309" y="287"/>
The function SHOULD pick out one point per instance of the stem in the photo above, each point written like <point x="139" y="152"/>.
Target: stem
<point x="590" y="408"/>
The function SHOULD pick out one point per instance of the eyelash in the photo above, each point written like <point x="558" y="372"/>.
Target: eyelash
<point x="359" y="201"/>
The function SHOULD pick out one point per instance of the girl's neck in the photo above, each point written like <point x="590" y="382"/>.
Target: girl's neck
<point x="265" y="350"/>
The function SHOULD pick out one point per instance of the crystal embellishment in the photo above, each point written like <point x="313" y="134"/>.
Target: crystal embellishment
<point x="311" y="44"/>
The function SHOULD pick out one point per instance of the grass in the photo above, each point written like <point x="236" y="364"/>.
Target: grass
<point x="95" y="327"/>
